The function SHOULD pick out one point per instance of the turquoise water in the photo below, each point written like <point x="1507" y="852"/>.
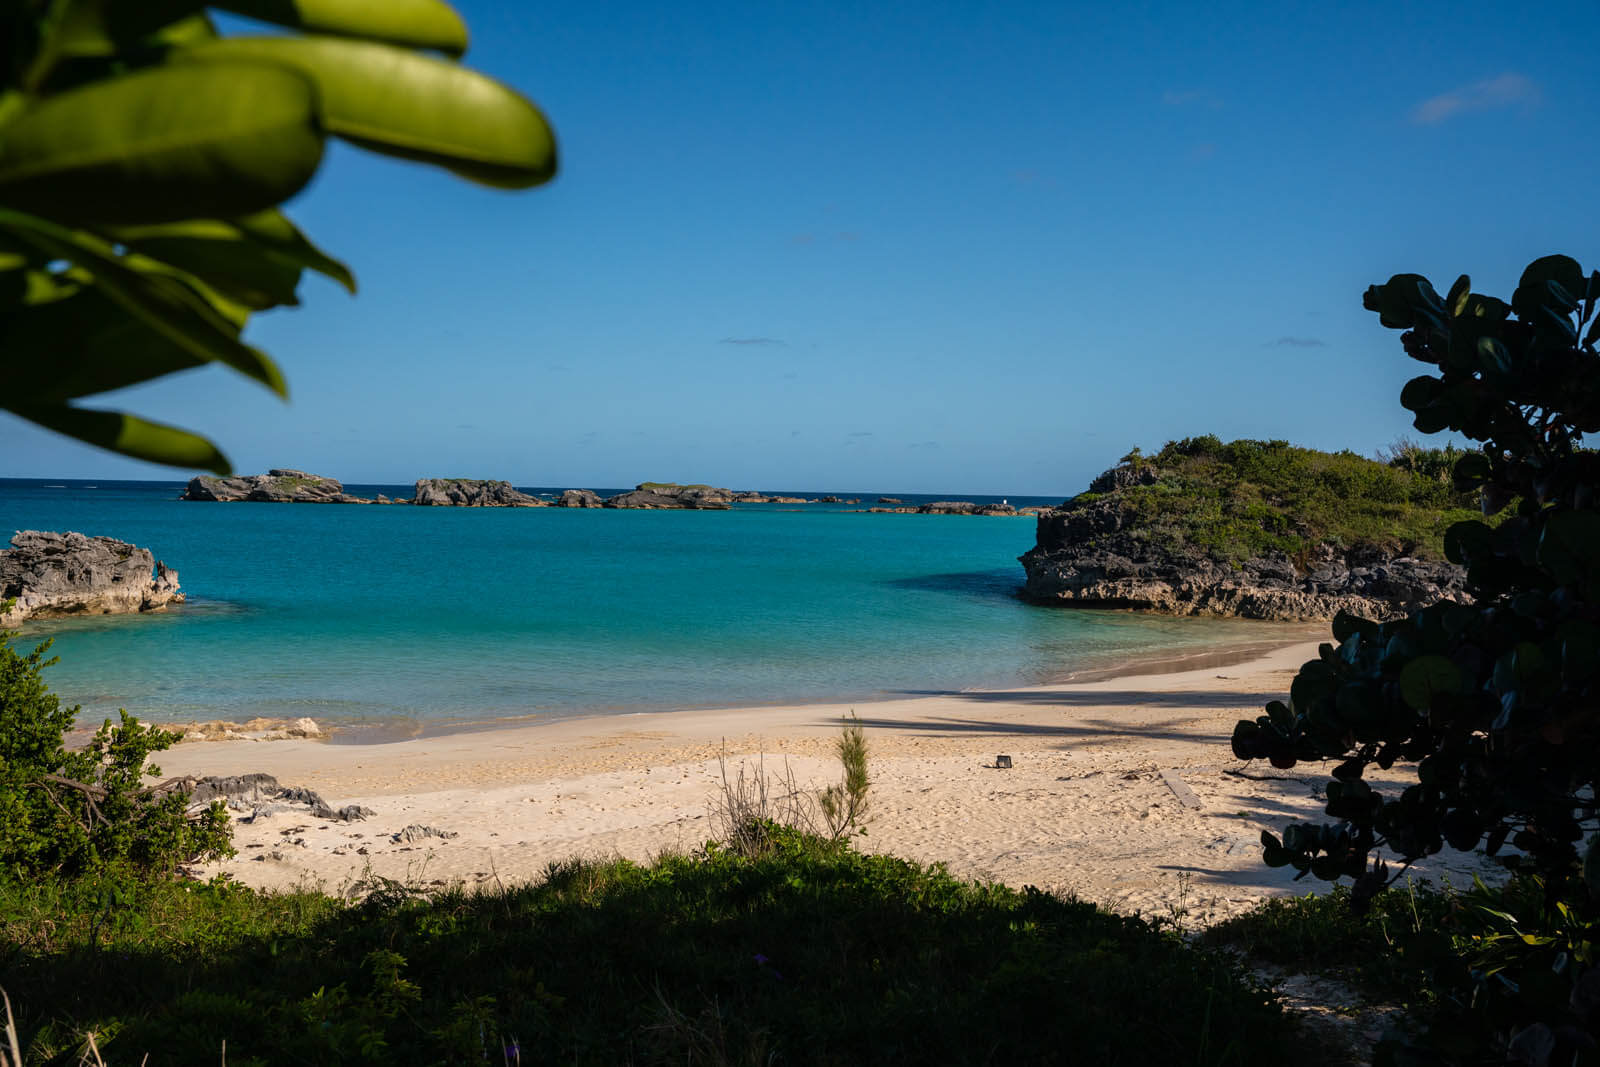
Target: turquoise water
<point x="383" y="615"/>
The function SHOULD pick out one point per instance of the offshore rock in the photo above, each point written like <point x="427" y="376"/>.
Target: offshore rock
<point x="948" y="507"/>
<point x="1094" y="554"/>
<point x="281" y="485"/>
<point x="472" y="493"/>
<point x="667" y="495"/>
<point x="52" y="574"/>
<point x="580" y="498"/>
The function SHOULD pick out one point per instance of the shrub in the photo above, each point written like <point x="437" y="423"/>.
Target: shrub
<point x="1495" y="702"/>
<point x="67" y="812"/>
<point x="754" y="806"/>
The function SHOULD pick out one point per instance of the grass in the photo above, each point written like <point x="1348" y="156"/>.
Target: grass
<point x="1392" y="953"/>
<point x="1242" y="499"/>
<point x="809" y="953"/>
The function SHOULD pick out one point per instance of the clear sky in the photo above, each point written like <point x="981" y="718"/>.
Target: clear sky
<point x="932" y="247"/>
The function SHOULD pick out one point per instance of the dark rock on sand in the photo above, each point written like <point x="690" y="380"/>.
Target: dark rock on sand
<point x="263" y="797"/>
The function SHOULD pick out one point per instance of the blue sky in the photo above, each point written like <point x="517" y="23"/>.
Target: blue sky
<point x="919" y="247"/>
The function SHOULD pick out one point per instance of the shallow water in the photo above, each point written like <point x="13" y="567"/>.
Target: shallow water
<point x="373" y="614"/>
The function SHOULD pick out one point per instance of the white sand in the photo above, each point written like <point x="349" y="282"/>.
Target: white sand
<point x="1084" y="808"/>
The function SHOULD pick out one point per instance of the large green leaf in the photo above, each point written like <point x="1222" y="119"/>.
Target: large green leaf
<point x="411" y="23"/>
<point x="274" y="230"/>
<point x="226" y="260"/>
<point x="165" y="144"/>
<point x="173" y="303"/>
<point x="409" y="105"/>
<point x="269" y="231"/>
<point x="82" y="345"/>
<point x="130" y="435"/>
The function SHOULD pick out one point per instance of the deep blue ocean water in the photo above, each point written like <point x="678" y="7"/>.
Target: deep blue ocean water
<point x="392" y="614"/>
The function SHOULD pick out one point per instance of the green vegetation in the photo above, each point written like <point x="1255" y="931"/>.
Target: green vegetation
<point x="1245" y="498"/>
<point x="64" y="814"/>
<point x="802" y="950"/>
<point x="812" y="953"/>
<point x="1398" y="950"/>
<point x="145" y="160"/>
<point x="1493" y="702"/>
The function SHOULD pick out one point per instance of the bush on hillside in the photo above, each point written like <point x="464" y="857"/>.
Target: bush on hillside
<point x="68" y="813"/>
<point x="1496" y="702"/>
<point x="1244" y="499"/>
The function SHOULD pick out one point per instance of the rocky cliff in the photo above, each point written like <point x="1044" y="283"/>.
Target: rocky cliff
<point x="471" y="493"/>
<point x="670" y="495"/>
<point x="71" y="574"/>
<point x="1200" y="539"/>
<point x="278" y="486"/>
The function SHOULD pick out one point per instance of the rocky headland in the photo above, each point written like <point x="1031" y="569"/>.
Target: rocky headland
<point x="51" y="574"/>
<point x="472" y="493"/>
<point x="280" y="485"/>
<point x="1256" y="530"/>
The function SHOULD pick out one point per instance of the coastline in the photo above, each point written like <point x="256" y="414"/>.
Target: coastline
<point x="1094" y="803"/>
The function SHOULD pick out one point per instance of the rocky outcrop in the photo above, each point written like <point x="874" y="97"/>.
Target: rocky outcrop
<point x="1095" y="555"/>
<point x="471" y="493"/>
<point x="579" y="498"/>
<point x="665" y="495"/>
<point x="262" y="796"/>
<point x="890" y="500"/>
<point x="948" y="507"/>
<point x="278" y="486"/>
<point x="51" y="574"/>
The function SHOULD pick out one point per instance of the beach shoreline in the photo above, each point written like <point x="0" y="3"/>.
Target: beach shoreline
<point x="1161" y="659"/>
<point x="1123" y="791"/>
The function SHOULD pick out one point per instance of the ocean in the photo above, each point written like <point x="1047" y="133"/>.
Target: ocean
<point x="368" y="617"/>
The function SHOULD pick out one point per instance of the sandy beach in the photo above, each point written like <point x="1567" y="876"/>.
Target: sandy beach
<point x="1122" y="790"/>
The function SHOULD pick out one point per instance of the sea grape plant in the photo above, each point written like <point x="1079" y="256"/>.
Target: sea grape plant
<point x="69" y="812"/>
<point x="144" y="158"/>
<point x="1494" y="700"/>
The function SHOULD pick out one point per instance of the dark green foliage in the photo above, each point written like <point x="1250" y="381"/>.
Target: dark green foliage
<point x="64" y="813"/>
<point x="809" y="954"/>
<point x="1390" y="951"/>
<point x="1496" y="702"/>
<point x="145" y="160"/>
<point x="1242" y="499"/>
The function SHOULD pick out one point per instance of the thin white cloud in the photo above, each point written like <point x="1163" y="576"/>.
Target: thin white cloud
<point x="1297" y="342"/>
<point x="1491" y="94"/>
<point x="1191" y="98"/>
<point x="752" y="341"/>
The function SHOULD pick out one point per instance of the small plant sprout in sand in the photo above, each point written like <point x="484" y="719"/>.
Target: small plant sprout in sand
<point x="844" y="806"/>
<point x="752" y="802"/>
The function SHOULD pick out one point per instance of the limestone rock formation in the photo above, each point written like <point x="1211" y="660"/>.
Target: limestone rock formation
<point x="579" y="498"/>
<point x="1094" y="554"/>
<point x="70" y="574"/>
<point x="666" y="495"/>
<point x="280" y="485"/>
<point x="948" y="507"/>
<point x="472" y="493"/>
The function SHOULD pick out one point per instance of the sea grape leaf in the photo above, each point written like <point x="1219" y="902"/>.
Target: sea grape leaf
<point x="165" y="144"/>
<point x="404" y="104"/>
